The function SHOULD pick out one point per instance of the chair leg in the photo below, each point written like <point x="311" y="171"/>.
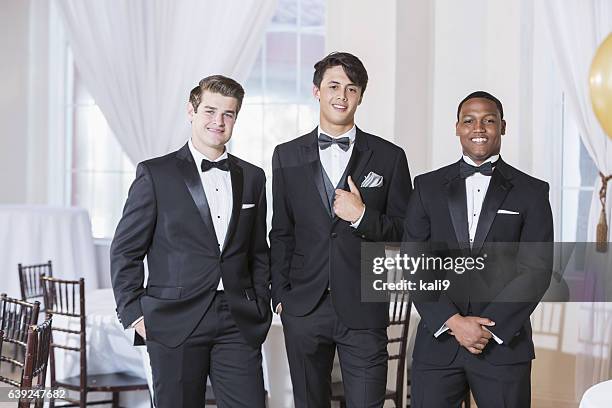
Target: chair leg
<point x="115" y="400"/>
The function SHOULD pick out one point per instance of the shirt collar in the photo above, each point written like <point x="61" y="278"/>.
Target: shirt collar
<point x="491" y="159"/>
<point x="351" y="133"/>
<point x="198" y="156"/>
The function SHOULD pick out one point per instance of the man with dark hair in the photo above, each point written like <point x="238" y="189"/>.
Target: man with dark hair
<point x="199" y="215"/>
<point x="333" y="189"/>
<point x="464" y="339"/>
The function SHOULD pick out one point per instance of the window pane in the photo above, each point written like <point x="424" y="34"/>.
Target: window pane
<point x="246" y="141"/>
<point x="280" y="67"/>
<point x="285" y="15"/>
<point x="313" y="49"/>
<point x="94" y="145"/>
<point x="308" y="117"/>
<point x="81" y="94"/>
<point x="578" y="167"/>
<point x="312" y="14"/>
<point x="280" y="125"/>
<point x="253" y="86"/>
<point x="575" y="213"/>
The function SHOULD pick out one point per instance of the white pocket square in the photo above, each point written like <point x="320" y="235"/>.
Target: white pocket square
<point x="245" y="206"/>
<point x="507" y="212"/>
<point x="372" y="180"/>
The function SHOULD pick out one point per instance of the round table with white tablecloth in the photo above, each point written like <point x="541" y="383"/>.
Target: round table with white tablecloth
<point x="598" y="396"/>
<point x="110" y="348"/>
<point x="35" y="234"/>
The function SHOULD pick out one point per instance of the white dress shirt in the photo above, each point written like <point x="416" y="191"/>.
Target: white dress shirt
<point x="334" y="160"/>
<point x="218" y="189"/>
<point x="476" y="187"/>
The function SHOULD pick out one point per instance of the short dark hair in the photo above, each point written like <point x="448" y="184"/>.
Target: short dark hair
<point x="485" y="95"/>
<point x="217" y="84"/>
<point x="353" y="68"/>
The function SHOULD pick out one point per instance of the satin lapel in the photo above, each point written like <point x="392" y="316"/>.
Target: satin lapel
<point x="191" y="177"/>
<point x="498" y="189"/>
<point x="310" y="157"/>
<point x="237" y="185"/>
<point x="359" y="159"/>
<point x="457" y="207"/>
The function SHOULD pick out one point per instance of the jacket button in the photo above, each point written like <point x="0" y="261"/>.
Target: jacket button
<point x="334" y="234"/>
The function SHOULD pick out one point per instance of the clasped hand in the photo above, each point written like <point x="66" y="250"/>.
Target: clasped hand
<point x="470" y="331"/>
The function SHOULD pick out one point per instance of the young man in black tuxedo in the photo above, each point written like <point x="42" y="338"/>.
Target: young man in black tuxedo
<point x="463" y="340"/>
<point x="333" y="189"/>
<point x="199" y="215"/>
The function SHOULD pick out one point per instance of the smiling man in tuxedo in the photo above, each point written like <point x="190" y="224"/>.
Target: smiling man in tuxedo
<point x="199" y="215"/>
<point x="463" y="340"/>
<point x="333" y="189"/>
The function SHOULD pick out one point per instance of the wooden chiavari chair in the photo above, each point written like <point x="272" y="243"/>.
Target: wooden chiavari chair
<point x="67" y="298"/>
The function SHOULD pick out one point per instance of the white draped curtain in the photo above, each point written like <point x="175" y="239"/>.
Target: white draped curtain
<point x="578" y="27"/>
<point x="139" y="59"/>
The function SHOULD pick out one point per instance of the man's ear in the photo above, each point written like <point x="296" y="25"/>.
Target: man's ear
<point x="503" y="127"/>
<point x="190" y="111"/>
<point x="316" y="92"/>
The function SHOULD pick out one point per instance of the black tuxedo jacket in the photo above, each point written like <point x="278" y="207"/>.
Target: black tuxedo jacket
<point x="313" y="250"/>
<point x="167" y="218"/>
<point x="437" y="213"/>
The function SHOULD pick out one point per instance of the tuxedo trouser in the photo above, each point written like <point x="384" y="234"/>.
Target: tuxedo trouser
<point x="493" y="386"/>
<point x="311" y="342"/>
<point x="216" y="347"/>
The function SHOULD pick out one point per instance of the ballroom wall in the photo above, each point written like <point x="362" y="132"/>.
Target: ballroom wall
<point x="14" y="27"/>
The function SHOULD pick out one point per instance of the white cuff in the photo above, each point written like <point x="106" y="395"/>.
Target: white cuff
<point x="356" y="223"/>
<point x="497" y="339"/>
<point x="441" y="330"/>
<point x="135" y="322"/>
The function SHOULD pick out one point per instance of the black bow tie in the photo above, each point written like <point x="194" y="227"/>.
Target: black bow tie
<point x="221" y="165"/>
<point x="466" y="170"/>
<point x="325" y="141"/>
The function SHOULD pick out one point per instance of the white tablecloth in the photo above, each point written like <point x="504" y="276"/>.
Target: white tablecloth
<point x="35" y="234"/>
<point x="598" y="396"/>
<point x="109" y="347"/>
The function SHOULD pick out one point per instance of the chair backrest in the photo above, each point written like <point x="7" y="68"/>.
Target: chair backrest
<point x="36" y="358"/>
<point x="16" y="316"/>
<point x="33" y="361"/>
<point x="400" y="307"/>
<point x="66" y="298"/>
<point x="29" y="279"/>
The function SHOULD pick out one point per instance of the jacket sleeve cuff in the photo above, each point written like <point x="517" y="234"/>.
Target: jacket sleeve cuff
<point x="356" y="223"/>
<point x="130" y="313"/>
<point x="135" y="322"/>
